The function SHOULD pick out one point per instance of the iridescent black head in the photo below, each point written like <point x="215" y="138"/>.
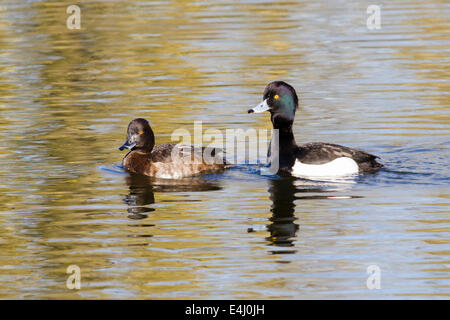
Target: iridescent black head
<point x="281" y="100"/>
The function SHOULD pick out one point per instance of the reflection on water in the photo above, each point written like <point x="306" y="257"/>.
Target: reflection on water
<point x="283" y="227"/>
<point x="141" y="194"/>
<point x="284" y="191"/>
<point x="143" y="188"/>
<point x="66" y="97"/>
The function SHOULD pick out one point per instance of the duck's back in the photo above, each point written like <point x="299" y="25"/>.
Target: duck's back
<point x="162" y="152"/>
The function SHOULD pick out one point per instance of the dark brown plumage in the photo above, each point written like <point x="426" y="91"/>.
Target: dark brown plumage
<point x="168" y="161"/>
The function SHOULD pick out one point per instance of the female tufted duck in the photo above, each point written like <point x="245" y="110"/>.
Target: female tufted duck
<point x="316" y="159"/>
<point x="167" y="161"/>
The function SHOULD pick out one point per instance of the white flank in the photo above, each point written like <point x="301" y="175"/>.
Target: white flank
<point x="338" y="167"/>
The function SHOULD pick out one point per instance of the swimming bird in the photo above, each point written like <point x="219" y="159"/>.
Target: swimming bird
<point x="315" y="159"/>
<point x="167" y="161"/>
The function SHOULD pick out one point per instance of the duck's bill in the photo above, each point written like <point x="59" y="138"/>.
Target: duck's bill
<point x="263" y="106"/>
<point x="127" y="145"/>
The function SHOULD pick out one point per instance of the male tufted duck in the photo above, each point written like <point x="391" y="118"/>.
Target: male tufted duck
<point x="167" y="161"/>
<point x="316" y="159"/>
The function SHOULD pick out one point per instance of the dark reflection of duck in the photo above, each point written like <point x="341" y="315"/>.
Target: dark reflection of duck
<point x="143" y="188"/>
<point x="141" y="194"/>
<point x="283" y="192"/>
<point x="283" y="228"/>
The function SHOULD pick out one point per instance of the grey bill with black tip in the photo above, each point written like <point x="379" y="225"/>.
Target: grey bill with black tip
<point x="263" y="106"/>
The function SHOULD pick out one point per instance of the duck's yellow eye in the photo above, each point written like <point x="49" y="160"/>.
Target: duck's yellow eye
<point x="276" y="96"/>
<point x="141" y="132"/>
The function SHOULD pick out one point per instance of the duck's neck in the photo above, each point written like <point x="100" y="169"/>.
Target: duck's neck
<point x="142" y="150"/>
<point x="283" y="147"/>
<point x="286" y="140"/>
